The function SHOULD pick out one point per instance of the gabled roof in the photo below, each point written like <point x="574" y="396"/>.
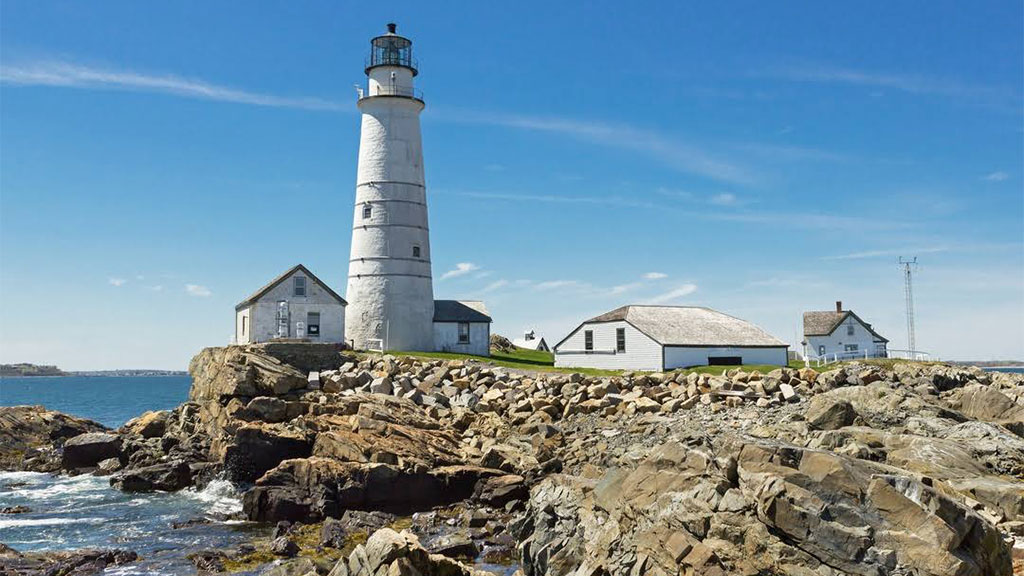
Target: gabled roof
<point x="273" y="284"/>
<point x="688" y="326"/>
<point x="532" y="344"/>
<point x="825" y="322"/>
<point x="460" y="311"/>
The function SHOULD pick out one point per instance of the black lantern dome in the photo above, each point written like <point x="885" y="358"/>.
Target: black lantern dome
<point x="391" y="50"/>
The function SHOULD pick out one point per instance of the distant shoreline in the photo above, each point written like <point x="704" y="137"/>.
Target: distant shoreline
<point x="125" y="374"/>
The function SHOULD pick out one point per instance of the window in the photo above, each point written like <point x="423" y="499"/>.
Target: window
<point x="620" y="339"/>
<point x="244" y="318"/>
<point x="299" y="286"/>
<point x="851" y="347"/>
<point x="367" y="211"/>
<point x="588" y="340"/>
<point x="415" y="250"/>
<point x="463" y="332"/>
<point x="849" y="329"/>
<point x="313" y="324"/>
<point x="821" y="350"/>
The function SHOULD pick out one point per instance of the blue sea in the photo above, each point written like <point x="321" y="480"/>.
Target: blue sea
<point x="84" y="511"/>
<point x="1010" y="369"/>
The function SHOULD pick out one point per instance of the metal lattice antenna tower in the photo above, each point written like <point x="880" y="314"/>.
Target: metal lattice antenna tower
<point x="908" y="265"/>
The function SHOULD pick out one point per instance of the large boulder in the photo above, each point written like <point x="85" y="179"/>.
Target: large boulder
<point x="88" y="450"/>
<point x="164" y="477"/>
<point x="398" y="554"/>
<point x="827" y="413"/>
<point x="28" y="435"/>
<point x="311" y="489"/>
<point x="257" y="448"/>
<point x="990" y="405"/>
<point x="151" y="424"/>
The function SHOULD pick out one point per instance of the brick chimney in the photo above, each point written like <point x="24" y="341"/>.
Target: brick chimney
<point x="839" y="306"/>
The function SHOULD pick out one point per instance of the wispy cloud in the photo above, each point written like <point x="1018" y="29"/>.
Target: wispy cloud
<point x="623" y="288"/>
<point x="117" y="281"/>
<point x="72" y="75"/>
<point x="461" y="269"/>
<point x="197" y="290"/>
<point x="673" y="295"/>
<point x="909" y="83"/>
<point x="655" y="276"/>
<point x="494" y="286"/>
<point x="157" y="288"/>
<point x="890" y="253"/>
<point x="674" y="152"/>
<point x="723" y="199"/>
<point x="561" y="199"/>
<point x="996" y="177"/>
<point x="555" y="284"/>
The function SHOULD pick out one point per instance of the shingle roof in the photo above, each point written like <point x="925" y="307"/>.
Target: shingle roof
<point x="690" y="326"/>
<point x="822" y="323"/>
<point x="273" y="283"/>
<point x="460" y="311"/>
<point x="825" y="322"/>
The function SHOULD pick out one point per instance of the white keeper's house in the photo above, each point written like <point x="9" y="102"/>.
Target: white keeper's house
<point x="841" y="334"/>
<point x="462" y="326"/>
<point x="531" y="341"/>
<point x="297" y="305"/>
<point x="658" y="338"/>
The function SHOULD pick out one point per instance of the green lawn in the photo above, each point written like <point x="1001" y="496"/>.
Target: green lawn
<point x="523" y="359"/>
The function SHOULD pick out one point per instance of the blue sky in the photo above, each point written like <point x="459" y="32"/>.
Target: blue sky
<point x="160" y="162"/>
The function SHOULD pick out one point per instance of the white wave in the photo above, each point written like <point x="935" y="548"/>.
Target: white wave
<point x="76" y="486"/>
<point x="21" y="522"/>
<point x="220" y="497"/>
<point x="23" y="476"/>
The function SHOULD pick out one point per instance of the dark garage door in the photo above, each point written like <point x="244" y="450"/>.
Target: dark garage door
<point x="725" y="360"/>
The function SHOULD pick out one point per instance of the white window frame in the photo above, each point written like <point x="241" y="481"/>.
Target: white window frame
<point x="296" y="281"/>
<point x="620" y="344"/>
<point x="588" y="340"/>
<point x="459" y="332"/>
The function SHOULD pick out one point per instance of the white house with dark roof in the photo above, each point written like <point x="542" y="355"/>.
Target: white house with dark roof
<point x="462" y="326"/>
<point x="296" y="304"/>
<point x="842" y="334"/>
<point x="660" y="338"/>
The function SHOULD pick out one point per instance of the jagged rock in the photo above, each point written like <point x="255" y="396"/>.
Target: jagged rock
<point x="64" y="563"/>
<point x="500" y="490"/>
<point x="267" y="409"/>
<point x="257" y="448"/>
<point x="28" y="435"/>
<point x="826" y="413"/>
<point x="87" y="450"/>
<point x="283" y="546"/>
<point x="984" y="403"/>
<point x="455" y="546"/>
<point x="165" y="477"/>
<point x="151" y="424"/>
<point x="398" y="554"/>
<point x="316" y="488"/>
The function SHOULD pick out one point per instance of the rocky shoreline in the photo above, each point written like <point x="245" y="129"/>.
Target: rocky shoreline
<point x="403" y="465"/>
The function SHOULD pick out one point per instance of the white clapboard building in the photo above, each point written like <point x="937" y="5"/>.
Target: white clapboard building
<point x="296" y="304"/>
<point x="462" y="326"/>
<point x="838" y="334"/>
<point x="531" y="341"/>
<point x="656" y="338"/>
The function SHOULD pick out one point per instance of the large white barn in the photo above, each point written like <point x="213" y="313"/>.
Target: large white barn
<point x="660" y="338"/>
<point x="296" y="304"/>
<point x="841" y="334"/>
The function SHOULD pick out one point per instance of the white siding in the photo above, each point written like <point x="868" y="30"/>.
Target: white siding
<point x="686" y="356"/>
<point x="446" y="338"/>
<point x="242" y="319"/>
<point x="263" y="314"/>
<point x="641" y="353"/>
<point x="836" y="342"/>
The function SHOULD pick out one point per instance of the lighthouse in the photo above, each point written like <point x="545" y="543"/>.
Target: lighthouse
<point x="390" y="291"/>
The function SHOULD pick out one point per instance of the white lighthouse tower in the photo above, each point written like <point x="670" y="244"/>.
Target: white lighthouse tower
<point x="390" y="291"/>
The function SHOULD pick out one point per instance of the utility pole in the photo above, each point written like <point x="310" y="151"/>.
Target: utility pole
<point x="908" y="265"/>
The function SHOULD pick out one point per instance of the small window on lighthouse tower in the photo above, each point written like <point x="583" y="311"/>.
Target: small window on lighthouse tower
<point x="367" y="211"/>
<point x="415" y="250"/>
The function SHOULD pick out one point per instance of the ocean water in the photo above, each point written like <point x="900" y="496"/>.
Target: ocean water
<point x="109" y="400"/>
<point x="84" y="511"/>
<point x="1010" y="369"/>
